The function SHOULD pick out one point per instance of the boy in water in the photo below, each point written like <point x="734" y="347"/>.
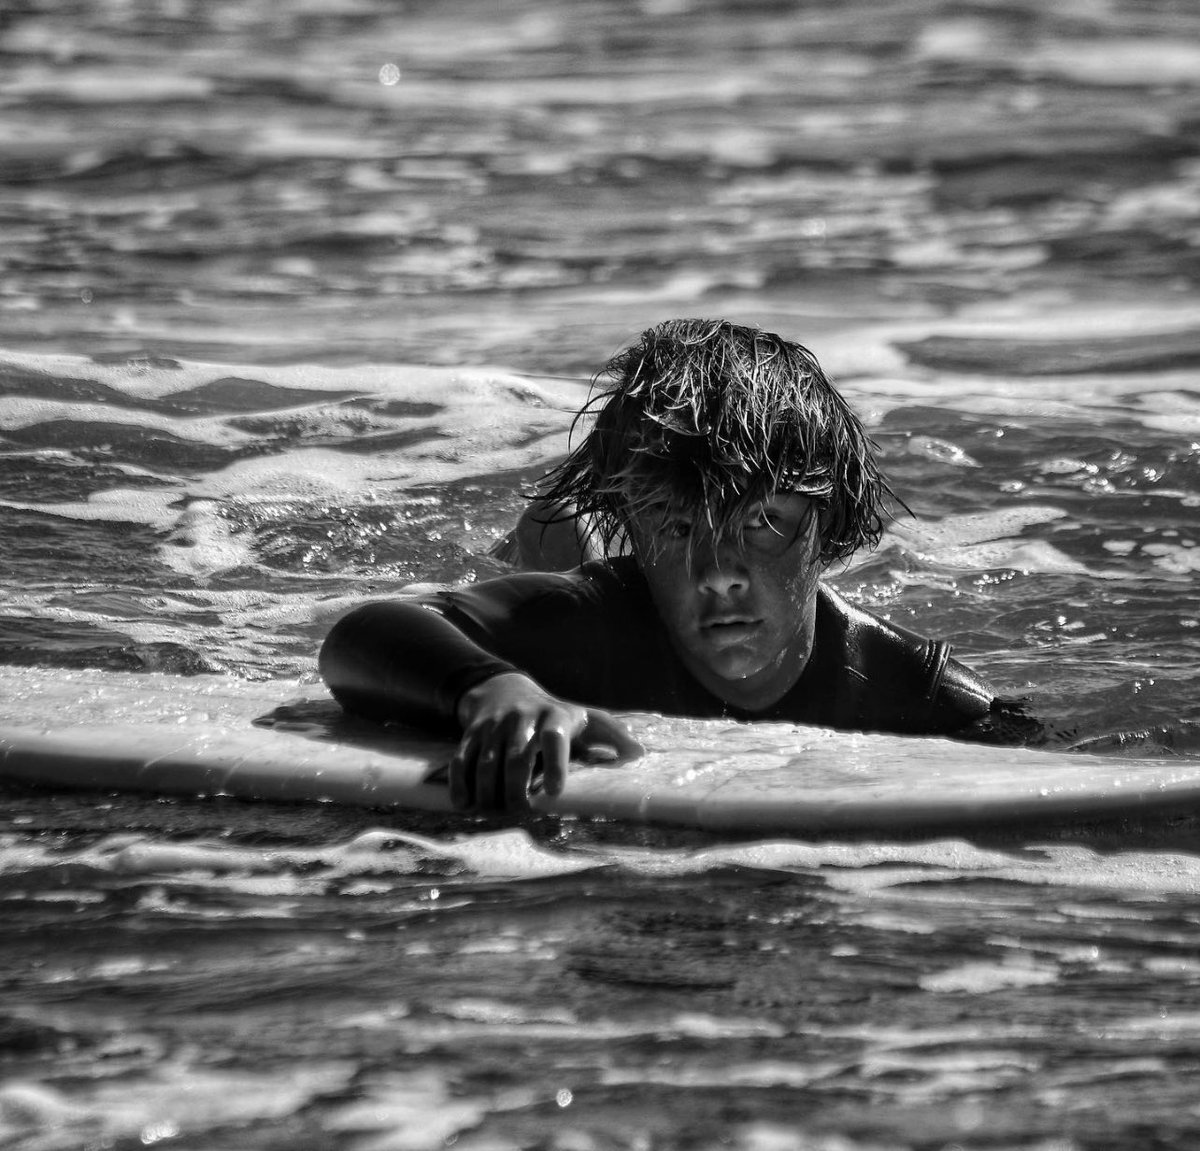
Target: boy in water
<point x="722" y="474"/>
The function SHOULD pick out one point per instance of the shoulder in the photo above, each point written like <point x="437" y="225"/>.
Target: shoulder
<point x="609" y="586"/>
<point x="588" y="635"/>
<point x="899" y="680"/>
<point x="871" y="646"/>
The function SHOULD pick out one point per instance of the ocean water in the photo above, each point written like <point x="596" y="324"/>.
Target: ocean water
<point x="297" y="300"/>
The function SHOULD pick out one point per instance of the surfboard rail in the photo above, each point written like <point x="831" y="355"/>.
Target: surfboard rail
<point x="710" y="775"/>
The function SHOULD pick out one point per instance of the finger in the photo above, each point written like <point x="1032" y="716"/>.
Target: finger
<point x="518" y="771"/>
<point x="602" y="728"/>
<point x="462" y="769"/>
<point x="478" y="763"/>
<point x="500" y="756"/>
<point x="460" y="795"/>
<point x="556" y="754"/>
<point x="489" y="774"/>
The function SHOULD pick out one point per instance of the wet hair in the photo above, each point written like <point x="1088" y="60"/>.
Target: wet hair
<point x="708" y="419"/>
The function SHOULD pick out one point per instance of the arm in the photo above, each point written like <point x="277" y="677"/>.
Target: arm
<point x="898" y="680"/>
<point x="966" y="707"/>
<point x="407" y="662"/>
<point x="957" y="695"/>
<point x="397" y="660"/>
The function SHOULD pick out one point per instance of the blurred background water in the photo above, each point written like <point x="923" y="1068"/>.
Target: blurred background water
<point x="459" y="183"/>
<point x="295" y="299"/>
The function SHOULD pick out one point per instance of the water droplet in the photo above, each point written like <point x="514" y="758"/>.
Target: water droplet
<point x="389" y="75"/>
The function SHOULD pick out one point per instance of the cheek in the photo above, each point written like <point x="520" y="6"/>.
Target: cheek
<point x="667" y="581"/>
<point x="788" y="589"/>
<point x="792" y="579"/>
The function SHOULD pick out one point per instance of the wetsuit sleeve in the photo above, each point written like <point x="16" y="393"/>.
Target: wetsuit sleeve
<point x="957" y="696"/>
<point x="965" y="706"/>
<point x="896" y="680"/>
<point x="401" y="660"/>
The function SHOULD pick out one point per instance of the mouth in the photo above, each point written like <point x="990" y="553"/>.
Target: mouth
<point x="725" y="631"/>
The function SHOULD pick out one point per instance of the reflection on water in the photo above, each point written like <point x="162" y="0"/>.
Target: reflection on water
<point x="983" y="218"/>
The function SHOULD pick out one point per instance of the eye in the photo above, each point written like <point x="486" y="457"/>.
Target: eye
<point x="761" y="520"/>
<point x="675" y="529"/>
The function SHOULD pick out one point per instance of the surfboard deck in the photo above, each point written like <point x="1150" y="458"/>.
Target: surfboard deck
<point x="287" y="741"/>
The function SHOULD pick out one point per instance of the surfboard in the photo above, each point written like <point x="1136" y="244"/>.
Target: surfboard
<point x="288" y="741"/>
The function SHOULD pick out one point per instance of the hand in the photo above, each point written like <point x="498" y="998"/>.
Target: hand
<point x="509" y="724"/>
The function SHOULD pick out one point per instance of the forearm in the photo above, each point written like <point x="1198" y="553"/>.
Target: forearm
<point x="959" y="696"/>
<point x="401" y="661"/>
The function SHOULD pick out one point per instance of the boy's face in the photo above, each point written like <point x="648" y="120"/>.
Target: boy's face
<point x="740" y="614"/>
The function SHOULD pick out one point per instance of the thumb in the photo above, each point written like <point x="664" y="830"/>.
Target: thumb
<point x="604" y="731"/>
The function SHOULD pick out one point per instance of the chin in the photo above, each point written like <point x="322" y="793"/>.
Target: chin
<point x="736" y="668"/>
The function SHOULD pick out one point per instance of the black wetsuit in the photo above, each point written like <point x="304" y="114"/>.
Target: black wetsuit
<point x="592" y="636"/>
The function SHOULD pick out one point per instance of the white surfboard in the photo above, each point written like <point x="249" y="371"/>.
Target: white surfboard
<point x="281" y="740"/>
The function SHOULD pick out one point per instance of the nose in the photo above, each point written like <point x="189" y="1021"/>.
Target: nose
<point x="719" y="570"/>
